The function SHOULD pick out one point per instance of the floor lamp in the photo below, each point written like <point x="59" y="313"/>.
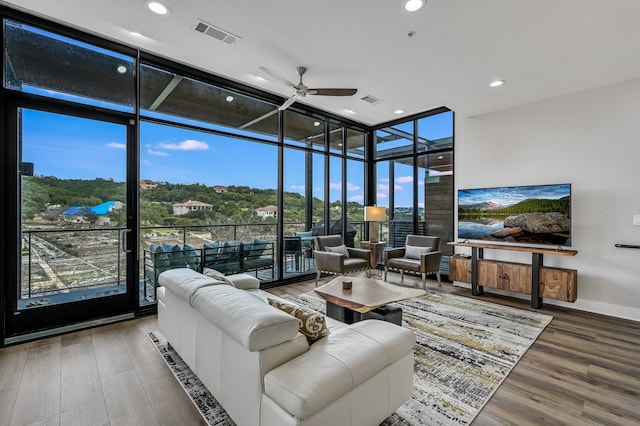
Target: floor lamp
<point x="374" y="215"/>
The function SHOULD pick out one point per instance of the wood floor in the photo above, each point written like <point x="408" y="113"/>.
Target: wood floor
<point x="583" y="370"/>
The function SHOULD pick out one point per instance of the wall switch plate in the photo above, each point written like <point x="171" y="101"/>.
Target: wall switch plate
<point x="636" y="219"/>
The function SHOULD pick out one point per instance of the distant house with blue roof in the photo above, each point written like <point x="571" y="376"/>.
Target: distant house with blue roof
<point x="78" y="214"/>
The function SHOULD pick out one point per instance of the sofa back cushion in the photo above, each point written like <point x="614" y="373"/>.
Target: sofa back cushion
<point x="246" y="318"/>
<point x="184" y="282"/>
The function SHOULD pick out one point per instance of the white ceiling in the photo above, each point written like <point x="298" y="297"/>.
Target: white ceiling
<point x="542" y="48"/>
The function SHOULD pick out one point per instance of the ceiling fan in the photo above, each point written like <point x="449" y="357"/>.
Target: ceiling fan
<point x="301" y="90"/>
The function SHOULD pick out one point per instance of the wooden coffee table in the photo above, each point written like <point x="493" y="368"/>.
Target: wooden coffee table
<point x="366" y="294"/>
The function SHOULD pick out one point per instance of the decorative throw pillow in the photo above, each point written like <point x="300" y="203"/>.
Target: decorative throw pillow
<point x="338" y="249"/>
<point x="311" y="323"/>
<point x="414" y="252"/>
<point x="212" y="273"/>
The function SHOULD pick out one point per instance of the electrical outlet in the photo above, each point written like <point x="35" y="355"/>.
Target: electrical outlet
<point x="636" y="219"/>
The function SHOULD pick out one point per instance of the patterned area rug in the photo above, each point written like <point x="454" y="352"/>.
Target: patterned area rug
<point x="464" y="349"/>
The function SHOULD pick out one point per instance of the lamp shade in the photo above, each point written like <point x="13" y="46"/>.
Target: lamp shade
<point x="375" y="214"/>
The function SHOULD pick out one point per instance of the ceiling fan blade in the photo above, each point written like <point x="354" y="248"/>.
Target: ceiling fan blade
<point x="278" y="77"/>
<point x="289" y="101"/>
<point x="332" y="92"/>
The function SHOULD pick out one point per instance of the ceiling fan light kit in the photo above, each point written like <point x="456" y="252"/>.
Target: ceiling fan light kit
<point x="301" y="90"/>
<point x="413" y="5"/>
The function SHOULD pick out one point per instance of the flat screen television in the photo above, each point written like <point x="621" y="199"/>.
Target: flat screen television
<point x="536" y="214"/>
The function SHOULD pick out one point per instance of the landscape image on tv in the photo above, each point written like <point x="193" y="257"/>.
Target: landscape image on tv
<point x="538" y="214"/>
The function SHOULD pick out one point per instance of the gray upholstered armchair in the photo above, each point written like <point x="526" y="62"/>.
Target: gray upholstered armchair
<point x="420" y="254"/>
<point x="333" y="257"/>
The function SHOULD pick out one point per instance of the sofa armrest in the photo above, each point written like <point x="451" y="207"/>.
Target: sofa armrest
<point x="337" y="364"/>
<point x="244" y="281"/>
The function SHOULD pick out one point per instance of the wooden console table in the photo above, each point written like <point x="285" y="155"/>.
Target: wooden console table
<point x="534" y="279"/>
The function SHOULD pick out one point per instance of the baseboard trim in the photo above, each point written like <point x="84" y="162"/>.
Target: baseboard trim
<point x="22" y="338"/>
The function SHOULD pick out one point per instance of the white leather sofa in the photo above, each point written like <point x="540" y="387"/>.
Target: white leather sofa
<point x="255" y="362"/>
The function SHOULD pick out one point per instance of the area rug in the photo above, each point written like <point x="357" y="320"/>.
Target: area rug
<point x="465" y="348"/>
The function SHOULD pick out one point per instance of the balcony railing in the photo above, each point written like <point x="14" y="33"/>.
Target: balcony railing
<point x="63" y="261"/>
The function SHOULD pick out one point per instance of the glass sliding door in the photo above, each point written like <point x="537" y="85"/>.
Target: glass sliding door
<point x="72" y="250"/>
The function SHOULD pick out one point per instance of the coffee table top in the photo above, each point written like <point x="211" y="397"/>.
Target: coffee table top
<point x="366" y="294"/>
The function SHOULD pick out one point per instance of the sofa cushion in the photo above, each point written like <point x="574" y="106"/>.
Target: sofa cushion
<point x="212" y="273"/>
<point x="244" y="317"/>
<point x="160" y="257"/>
<point x="257" y="248"/>
<point x="341" y="249"/>
<point x="191" y="256"/>
<point x="335" y="365"/>
<point x="177" y="257"/>
<point x="310" y="323"/>
<point x="184" y="282"/>
<point x="210" y="252"/>
<point x="415" y="252"/>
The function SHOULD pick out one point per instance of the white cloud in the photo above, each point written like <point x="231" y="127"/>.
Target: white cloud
<point x="146" y="162"/>
<point x="381" y="195"/>
<point x="187" y="145"/>
<point x="157" y="153"/>
<point x="117" y="145"/>
<point x="352" y="187"/>
<point x="297" y="187"/>
<point x="383" y="187"/>
<point x="404" y="179"/>
<point x="357" y="198"/>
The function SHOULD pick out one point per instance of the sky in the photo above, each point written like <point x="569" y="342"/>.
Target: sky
<point x="77" y="148"/>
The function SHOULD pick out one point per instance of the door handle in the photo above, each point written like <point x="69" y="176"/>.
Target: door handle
<point x="123" y="240"/>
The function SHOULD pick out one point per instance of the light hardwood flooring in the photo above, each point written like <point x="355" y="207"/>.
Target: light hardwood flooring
<point x="583" y="370"/>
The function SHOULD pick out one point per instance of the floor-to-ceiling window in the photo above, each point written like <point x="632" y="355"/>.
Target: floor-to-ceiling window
<point x="191" y="160"/>
<point x="414" y="178"/>
<point x="68" y="145"/>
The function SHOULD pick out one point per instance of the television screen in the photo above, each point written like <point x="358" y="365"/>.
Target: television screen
<point x="538" y="214"/>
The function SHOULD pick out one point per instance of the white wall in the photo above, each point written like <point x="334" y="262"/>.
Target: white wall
<point x="591" y="140"/>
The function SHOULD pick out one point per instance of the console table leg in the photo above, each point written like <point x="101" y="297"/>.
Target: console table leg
<point x="536" y="300"/>
<point x="476" y="290"/>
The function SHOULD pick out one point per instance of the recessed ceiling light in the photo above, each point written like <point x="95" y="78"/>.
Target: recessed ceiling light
<point x="229" y="98"/>
<point x="121" y="69"/>
<point x="496" y="83"/>
<point x="413" y="5"/>
<point x="398" y="111"/>
<point x="157" y="7"/>
<point x="316" y="123"/>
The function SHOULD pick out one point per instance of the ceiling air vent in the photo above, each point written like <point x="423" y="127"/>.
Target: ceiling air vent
<point x="372" y="100"/>
<point x="217" y="33"/>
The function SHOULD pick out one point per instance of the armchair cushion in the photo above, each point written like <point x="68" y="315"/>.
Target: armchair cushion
<point x="414" y="252"/>
<point x="341" y="249"/>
